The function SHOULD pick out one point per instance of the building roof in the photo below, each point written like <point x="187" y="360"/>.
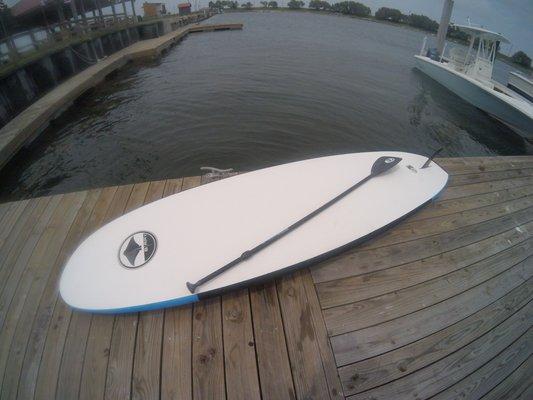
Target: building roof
<point x="183" y="5"/>
<point x="482" y="32"/>
<point x="24" y="6"/>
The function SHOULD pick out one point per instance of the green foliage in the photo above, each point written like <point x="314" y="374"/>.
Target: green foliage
<point x="389" y="14"/>
<point x="247" y="5"/>
<point x="264" y="3"/>
<point x="219" y="5"/>
<point x="423" y="22"/>
<point x="457" y="34"/>
<point x="351" y="8"/>
<point x="294" y="4"/>
<point x="522" y="59"/>
<point x="319" y="5"/>
<point x="272" y="4"/>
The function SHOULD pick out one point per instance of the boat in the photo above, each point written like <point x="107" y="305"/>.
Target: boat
<point x="468" y="74"/>
<point x="520" y="84"/>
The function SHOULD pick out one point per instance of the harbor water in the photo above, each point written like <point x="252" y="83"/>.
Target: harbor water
<point x="289" y="86"/>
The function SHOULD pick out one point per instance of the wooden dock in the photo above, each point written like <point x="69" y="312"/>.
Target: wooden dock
<point x="438" y="307"/>
<point x="26" y="126"/>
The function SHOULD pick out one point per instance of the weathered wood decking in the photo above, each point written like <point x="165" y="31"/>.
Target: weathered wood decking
<point x="437" y="307"/>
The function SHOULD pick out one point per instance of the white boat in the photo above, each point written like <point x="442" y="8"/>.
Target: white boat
<point x="520" y="84"/>
<point x="468" y="74"/>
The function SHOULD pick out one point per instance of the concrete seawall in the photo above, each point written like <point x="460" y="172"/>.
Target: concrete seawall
<point x="32" y="121"/>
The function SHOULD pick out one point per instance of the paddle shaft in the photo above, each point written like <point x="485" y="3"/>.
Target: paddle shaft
<point x="249" y="253"/>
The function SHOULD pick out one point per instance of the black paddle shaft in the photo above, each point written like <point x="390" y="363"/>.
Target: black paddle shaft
<point x="381" y="165"/>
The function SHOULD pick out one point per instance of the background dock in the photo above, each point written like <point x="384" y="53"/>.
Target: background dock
<point x="437" y="307"/>
<point x="27" y="125"/>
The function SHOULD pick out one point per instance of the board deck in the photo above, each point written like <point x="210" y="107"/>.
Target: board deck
<point x="191" y="234"/>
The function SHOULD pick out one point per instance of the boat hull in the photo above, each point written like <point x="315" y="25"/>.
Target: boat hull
<point x="478" y="96"/>
<point x="521" y="85"/>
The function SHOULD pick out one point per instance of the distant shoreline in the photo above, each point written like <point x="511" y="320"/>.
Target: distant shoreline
<point x="500" y="56"/>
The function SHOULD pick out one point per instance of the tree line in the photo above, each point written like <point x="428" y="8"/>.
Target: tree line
<point x="360" y="10"/>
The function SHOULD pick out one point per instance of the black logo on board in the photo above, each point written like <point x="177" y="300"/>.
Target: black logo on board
<point x="137" y="249"/>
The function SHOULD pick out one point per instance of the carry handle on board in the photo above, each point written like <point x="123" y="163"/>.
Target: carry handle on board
<point x="380" y="166"/>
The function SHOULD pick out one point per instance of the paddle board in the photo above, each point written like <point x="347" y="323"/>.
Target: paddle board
<point x="143" y="260"/>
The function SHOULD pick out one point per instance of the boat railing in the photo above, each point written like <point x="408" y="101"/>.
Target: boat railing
<point x="460" y="59"/>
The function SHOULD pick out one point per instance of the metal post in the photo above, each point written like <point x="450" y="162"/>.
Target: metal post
<point x="74" y="11"/>
<point x="48" y="30"/>
<point x="443" y="26"/>
<point x="133" y="10"/>
<point x="83" y="16"/>
<point x="124" y="9"/>
<point x="114" y="12"/>
<point x="11" y="47"/>
<point x="97" y="4"/>
<point x="33" y="40"/>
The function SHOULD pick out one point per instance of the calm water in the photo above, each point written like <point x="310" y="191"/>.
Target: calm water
<point x="287" y="87"/>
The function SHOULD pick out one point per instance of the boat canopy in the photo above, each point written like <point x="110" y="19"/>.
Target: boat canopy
<point x="482" y="33"/>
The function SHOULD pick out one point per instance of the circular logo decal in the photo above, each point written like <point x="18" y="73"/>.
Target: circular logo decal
<point x="389" y="160"/>
<point x="137" y="249"/>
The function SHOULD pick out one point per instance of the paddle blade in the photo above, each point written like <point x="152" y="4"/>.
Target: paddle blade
<point x="383" y="164"/>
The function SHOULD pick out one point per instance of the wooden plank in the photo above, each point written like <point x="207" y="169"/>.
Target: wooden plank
<point x="32" y="284"/>
<point x="148" y="344"/>
<point x="487" y="377"/>
<point x="360" y="287"/>
<point x="93" y="377"/>
<point x="408" y="231"/>
<point x="484" y="187"/>
<point x="147" y="362"/>
<point x="5" y="208"/>
<point x="207" y="351"/>
<point x="190" y="182"/>
<point x="239" y="347"/>
<point x="401" y="302"/>
<point x="62" y="359"/>
<point x="24" y="235"/>
<point x="176" y="373"/>
<point x="122" y="347"/>
<point x="369" y="342"/>
<point x="377" y="371"/>
<point x="357" y="261"/>
<point x="11" y="238"/>
<point x="326" y="352"/>
<point x="9" y="221"/>
<point x="304" y="351"/>
<point x="514" y="384"/>
<point x="436" y="377"/>
<point x="440" y="208"/>
<point x="272" y="358"/>
<point x="208" y="375"/>
<point x="172" y="186"/>
<point x="526" y="394"/>
<point x="35" y="345"/>
<point x="11" y="304"/>
<point x="15" y="240"/>
<point x="478" y="177"/>
<point x="17" y="259"/>
<point x="471" y="165"/>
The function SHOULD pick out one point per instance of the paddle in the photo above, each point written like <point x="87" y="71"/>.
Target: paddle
<point x="380" y="166"/>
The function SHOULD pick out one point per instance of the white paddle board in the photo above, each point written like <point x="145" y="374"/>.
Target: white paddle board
<point x="143" y="259"/>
